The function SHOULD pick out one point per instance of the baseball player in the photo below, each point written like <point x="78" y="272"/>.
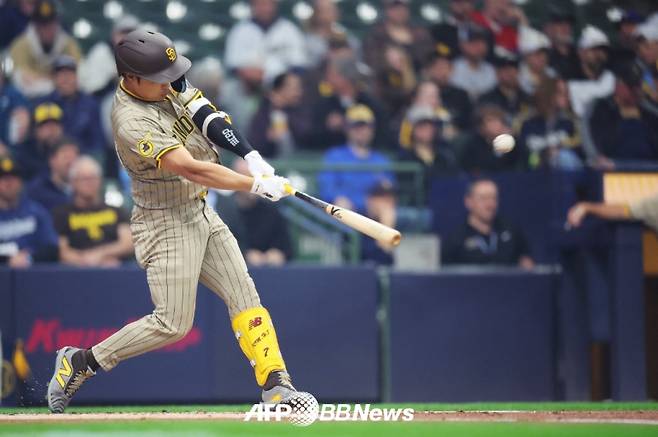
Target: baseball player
<point x="167" y="137"/>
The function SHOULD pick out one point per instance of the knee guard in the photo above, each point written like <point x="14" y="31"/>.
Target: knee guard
<point x="256" y="336"/>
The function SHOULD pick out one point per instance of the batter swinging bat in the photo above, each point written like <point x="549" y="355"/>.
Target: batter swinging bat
<point x="376" y="230"/>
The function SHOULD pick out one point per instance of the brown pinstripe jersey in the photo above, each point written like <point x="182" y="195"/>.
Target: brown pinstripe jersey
<point x="144" y="132"/>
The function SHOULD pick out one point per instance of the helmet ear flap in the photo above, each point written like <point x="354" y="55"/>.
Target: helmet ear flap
<point x="180" y="84"/>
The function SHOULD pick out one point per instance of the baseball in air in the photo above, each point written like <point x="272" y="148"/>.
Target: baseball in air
<point x="503" y="143"/>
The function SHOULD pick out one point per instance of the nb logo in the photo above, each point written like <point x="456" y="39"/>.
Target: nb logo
<point x="65" y="370"/>
<point x="255" y="322"/>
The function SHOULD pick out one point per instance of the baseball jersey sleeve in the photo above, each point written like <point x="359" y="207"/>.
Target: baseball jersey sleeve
<point x="147" y="141"/>
<point x="646" y="210"/>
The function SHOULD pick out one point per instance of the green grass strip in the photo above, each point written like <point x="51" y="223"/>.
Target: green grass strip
<point x="173" y="428"/>
<point x="525" y="406"/>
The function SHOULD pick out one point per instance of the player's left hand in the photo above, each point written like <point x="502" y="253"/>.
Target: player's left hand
<point x="257" y="165"/>
<point x="270" y="187"/>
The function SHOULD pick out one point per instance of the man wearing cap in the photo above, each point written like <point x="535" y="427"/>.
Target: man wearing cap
<point x="533" y="46"/>
<point x="26" y="229"/>
<point x="348" y="189"/>
<point x="168" y="137"/>
<point x="35" y="51"/>
<point x="593" y="80"/>
<point x="47" y="131"/>
<point x="446" y="33"/>
<point x="508" y="93"/>
<point x="471" y="71"/>
<point x="562" y="55"/>
<point x="623" y="49"/>
<point x="53" y="189"/>
<point x="81" y="113"/>
<point x="620" y="126"/>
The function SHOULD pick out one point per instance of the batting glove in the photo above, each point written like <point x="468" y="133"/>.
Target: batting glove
<point x="270" y="187"/>
<point x="257" y="165"/>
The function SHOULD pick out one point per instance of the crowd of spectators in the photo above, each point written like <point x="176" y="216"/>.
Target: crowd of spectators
<point x="435" y="95"/>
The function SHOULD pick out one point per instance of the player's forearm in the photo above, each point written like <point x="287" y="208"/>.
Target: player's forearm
<point x="222" y="178"/>
<point x="208" y="174"/>
<point x="609" y="211"/>
<point x="217" y="176"/>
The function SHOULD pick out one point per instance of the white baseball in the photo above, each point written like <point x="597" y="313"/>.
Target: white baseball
<point x="503" y="143"/>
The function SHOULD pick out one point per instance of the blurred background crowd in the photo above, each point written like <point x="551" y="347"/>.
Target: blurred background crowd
<point x="363" y="103"/>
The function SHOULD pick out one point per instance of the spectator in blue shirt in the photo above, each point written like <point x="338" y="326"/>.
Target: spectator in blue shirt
<point x="349" y="188"/>
<point x="81" y="112"/>
<point x="27" y="234"/>
<point x="53" y="190"/>
<point x="14" y="115"/>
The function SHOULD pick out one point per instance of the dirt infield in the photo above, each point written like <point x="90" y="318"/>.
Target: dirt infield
<point x="621" y="417"/>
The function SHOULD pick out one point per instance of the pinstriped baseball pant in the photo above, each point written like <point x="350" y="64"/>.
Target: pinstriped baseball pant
<point x="179" y="247"/>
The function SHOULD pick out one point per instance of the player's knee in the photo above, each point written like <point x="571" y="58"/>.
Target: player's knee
<point x="181" y="330"/>
<point x="175" y="331"/>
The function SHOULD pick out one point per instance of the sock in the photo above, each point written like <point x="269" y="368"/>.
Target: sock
<point x="91" y="360"/>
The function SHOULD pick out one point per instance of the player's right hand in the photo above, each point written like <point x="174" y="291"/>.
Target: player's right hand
<point x="257" y="165"/>
<point x="270" y="187"/>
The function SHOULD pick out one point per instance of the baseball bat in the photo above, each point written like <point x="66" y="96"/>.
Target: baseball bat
<point x="365" y="225"/>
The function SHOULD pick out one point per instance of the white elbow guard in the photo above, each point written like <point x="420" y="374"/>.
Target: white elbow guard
<point x="197" y="104"/>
